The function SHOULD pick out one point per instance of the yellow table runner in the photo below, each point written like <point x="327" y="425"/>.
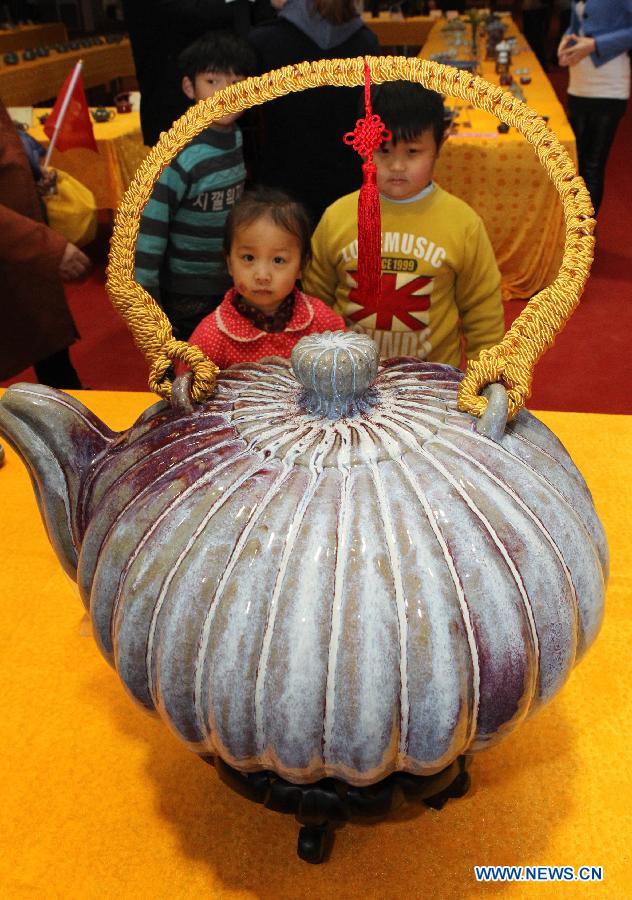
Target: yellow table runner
<point x="100" y="800"/>
<point x="108" y="172"/>
<point x="393" y="31"/>
<point x="500" y="176"/>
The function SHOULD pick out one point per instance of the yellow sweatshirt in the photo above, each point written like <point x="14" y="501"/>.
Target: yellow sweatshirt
<point x="439" y="276"/>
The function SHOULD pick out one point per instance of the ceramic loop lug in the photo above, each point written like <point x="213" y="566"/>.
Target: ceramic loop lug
<point x="181" y="399"/>
<point x="494" y="420"/>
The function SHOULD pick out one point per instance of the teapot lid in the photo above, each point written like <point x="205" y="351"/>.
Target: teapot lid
<point x="335" y="406"/>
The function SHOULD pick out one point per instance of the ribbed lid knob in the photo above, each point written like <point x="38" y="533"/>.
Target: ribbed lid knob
<point x="336" y="369"/>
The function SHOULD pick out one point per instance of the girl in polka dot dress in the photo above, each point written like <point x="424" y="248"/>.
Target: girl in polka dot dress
<point x="267" y="245"/>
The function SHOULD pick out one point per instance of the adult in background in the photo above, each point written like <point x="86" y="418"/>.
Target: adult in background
<point x="159" y="30"/>
<point x="36" y="326"/>
<point x="302" y="150"/>
<point x="536" y="18"/>
<point x="595" y="48"/>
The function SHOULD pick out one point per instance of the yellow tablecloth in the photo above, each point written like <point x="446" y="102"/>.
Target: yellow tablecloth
<point x="24" y="37"/>
<point x="40" y="79"/>
<point x="99" y="800"/>
<point x="501" y="177"/>
<point x="108" y="172"/>
<point x="394" y="31"/>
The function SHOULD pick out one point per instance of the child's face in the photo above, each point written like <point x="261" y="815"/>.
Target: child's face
<point x="405" y="169"/>
<point x="264" y="262"/>
<point x="205" y="84"/>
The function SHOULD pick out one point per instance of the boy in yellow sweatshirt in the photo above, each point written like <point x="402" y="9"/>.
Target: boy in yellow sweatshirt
<point x="439" y="274"/>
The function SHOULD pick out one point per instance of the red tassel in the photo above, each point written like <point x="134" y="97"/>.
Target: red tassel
<point x="369" y="234"/>
<point x="367" y="136"/>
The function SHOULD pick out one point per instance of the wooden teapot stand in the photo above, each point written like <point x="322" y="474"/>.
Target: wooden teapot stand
<point x="326" y="804"/>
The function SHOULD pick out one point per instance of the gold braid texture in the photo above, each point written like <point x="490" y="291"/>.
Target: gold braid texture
<point x="511" y="362"/>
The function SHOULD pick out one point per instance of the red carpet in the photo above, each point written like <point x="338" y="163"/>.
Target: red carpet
<point x="588" y="369"/>
<point x="106" y="357"/>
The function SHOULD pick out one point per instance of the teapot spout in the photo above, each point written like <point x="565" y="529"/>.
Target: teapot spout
<point x="58" y="440"/>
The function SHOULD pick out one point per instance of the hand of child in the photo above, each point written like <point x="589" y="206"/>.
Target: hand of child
<point x="47" y="183"/>
<point x="74" y="264"/>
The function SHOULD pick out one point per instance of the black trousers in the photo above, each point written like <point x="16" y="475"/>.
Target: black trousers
<point x="185" y="312"/>
<point x="535" y="26"/>
<point x="57" y="371"/>
<point x="594" y="121"/>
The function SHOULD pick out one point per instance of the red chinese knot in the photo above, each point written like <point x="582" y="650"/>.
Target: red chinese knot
<point x="367" y="136"/>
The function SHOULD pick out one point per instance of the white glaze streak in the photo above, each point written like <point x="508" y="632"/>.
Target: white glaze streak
<point x="344" y="511"/>
<point x="523" y="506"/>
<point x="166" y="474"/>
<point x="59" y="399"/>
<point x="184" y="553"/>
<point x="284" y="473"/>
<point x="200" y="482"/>
<point x="465" y="612"/>
<point x="316" y="475"/>
<point x="183" y="438"/>
<point x="270" y="433"/>
<point x="396" y="570"/>
<point x="501" y="547"/>
<point x="254" y="517"/>
<point x="409" y="410"/>
<point x="518" y="500"/>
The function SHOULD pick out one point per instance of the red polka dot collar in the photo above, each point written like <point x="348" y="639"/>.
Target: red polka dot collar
<point x="238" y="328"/>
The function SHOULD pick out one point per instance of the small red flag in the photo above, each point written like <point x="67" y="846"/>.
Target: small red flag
<point x="69" y="124"/>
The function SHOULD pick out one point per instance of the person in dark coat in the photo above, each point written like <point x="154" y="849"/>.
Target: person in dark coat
<point x="302" y="150"/>
<point x="36" y="325"/>
<point x="596" y="48"/>
<point x="159" y="30"/>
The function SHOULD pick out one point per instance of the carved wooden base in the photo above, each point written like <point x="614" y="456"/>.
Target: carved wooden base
<point x="322" y="806"/>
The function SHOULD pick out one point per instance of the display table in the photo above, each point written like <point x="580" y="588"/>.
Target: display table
<point x="501" y="177"/>
<point x="100" y="800"/>
<point x="396" y="31"/>
<point x="40" y="79"/>
<point x="108" y="173"/>
<point x="24" y="37"/>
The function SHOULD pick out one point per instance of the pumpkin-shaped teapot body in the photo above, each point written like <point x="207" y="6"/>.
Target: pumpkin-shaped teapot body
<point x="338" y="576"/>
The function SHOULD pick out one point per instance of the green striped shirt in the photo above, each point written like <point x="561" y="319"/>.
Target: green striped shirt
<point x="179" y="248"/>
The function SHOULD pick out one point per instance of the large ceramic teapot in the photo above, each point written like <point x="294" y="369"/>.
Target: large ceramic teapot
<point x="324" y="570"/>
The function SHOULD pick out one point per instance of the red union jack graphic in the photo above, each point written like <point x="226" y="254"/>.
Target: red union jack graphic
<point x="395" y="302"/>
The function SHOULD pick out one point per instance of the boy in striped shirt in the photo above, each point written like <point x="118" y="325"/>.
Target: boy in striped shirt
<point x="179" y="256"/>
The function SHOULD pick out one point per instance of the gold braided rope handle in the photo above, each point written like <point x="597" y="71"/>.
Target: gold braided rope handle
<point x="510" y="362"/>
